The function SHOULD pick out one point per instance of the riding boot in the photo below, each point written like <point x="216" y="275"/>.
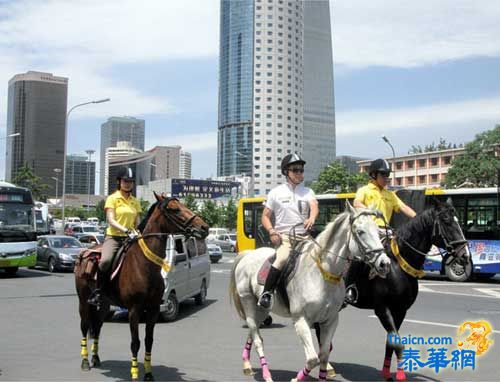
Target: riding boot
<point x="96" y="296"/>
<point x="271" y="281"/>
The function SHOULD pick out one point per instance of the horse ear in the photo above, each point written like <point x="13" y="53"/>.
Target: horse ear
<point x="158" y="197"/>
<point x="348" y="207"/>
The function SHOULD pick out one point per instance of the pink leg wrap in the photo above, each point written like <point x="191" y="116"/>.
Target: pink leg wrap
<point x="301" y="375"/>
<point x="246" y="351"/>
<point x="400" y="374"/>
<point x="266" y="374"/>
<point x="386" y="370"/>
<point x="322" y="375"/>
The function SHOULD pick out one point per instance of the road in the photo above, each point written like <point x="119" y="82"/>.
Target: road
<point x="40" y="336"/>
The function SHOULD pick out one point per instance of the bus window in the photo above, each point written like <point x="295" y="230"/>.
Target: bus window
<point x="481" y="218"/>
<point x="249" y="220"/>
<point x="328" y="210"/>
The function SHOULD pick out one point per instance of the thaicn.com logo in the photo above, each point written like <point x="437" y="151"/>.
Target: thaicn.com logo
<point x="439" y="353"/>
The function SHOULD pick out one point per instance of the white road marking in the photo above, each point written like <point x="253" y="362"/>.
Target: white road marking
<point x="489" y="291"/>
<point x="433" y="323"/>
<point x="428" y="290"/>
<point x="223" y="271"/>
<point x="451" y="284"/>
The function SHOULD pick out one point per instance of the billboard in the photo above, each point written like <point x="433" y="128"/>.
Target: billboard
<point x="204" y="189"/>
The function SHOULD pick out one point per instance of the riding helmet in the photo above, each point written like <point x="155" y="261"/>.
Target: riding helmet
<point x="379" y="165"/>
<point x="290" y="159"/>
<point x="125" y="173"/>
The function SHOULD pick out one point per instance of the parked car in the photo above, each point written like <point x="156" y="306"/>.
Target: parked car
<point x="57" y="252"/>
<point x="227" y="241"/>
<point x="73" y="220"/>
<point x="214" y="232"/>
<point x="80" y="230"/>
<point x="215" y="252"/>
<point x="93" y="221"/>
<point x="188" y="277"/>
<point x="91" y="240"/>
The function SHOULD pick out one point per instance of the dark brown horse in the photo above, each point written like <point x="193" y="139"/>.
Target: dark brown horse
<point x="139" y="286"/>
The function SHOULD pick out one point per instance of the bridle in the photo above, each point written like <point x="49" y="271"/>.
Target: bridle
<point x="371" y="256"/>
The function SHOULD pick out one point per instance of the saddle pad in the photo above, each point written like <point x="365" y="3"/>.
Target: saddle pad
<point x="264" y="270"/>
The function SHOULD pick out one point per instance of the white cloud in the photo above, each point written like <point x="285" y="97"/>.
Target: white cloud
<point x="447" y="114"/>
<point x="81" y="39"/>
<point x="408" y="33"/>
<point x="189" y="142"/>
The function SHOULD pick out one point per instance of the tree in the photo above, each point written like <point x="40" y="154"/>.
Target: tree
<point x="144" y="207"/>
<point x="336" y="178"/>
<point x="478" y="165"/>
<point x="211" y="214"/>
<point x="442" y="145"/>
<point x="230" y="211"/>
<point x="99" y="211"/>
<point x="26" y="178"/>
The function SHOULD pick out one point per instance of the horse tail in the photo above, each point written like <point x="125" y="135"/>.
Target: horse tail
<point x="233" y="293"/>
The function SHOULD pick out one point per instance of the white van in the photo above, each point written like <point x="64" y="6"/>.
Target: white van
<point x="93" y="221"/>
<point x="188" y="277"/>
<point x="73" y="220"/>
<point x="214" y="232"/>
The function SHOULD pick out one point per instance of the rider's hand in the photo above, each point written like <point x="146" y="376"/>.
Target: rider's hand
<point x="308" y="223"/>
<point x="132" y="234"/>
<point x="275" y="237"/>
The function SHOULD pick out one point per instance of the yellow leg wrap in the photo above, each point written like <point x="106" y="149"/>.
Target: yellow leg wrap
<point x="147" y="363"/>
<point x="95" y="347"/>
<point x="134" y="369"/>
<point x="84" y="353"/>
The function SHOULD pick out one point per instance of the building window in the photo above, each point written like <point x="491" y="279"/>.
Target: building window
<point x="447" y="160"/>
<point x="434" y="178"/>
<point x="421" y="179"/>
<point x="434" y="162"/>
<point x="409" y="180"/>
<point x="410" y="164"/>
<point x="422" y="163"/>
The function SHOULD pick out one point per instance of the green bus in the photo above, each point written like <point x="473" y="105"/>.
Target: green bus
<point x="17" y="228"/>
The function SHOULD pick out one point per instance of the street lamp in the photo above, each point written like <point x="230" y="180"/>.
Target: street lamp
<point x="89" y="153"/>
<point x="393" y="158"/>
<point x="11" y="135"/>
<point x="66" y="149"/>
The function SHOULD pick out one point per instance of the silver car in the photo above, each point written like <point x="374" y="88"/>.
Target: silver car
<point x="57" y="252"/>
<point x="227" y="241"/>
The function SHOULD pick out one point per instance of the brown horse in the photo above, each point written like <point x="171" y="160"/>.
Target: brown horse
<point x="139" y="285"/>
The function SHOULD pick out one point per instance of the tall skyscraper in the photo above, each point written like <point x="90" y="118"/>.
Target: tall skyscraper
<point x="185" y="165"/>
<point x="112" y="158"/>
<point x="170" y="162"/>
<point x="36" y="109"/>
<point x="273" y="100"/>
<point x="80" y="175"/>
<point x="119" y="129"/>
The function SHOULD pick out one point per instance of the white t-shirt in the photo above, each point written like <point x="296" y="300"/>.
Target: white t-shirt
<point x="290" y="206"/>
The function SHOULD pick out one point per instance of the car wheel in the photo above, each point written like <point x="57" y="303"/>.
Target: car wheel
<point x="170" y="314"/>
<point x="201" y="297"/>
<point x="51" y="265"/>
<point x="11" y="271"/>
<point x="214" y="261"/>
<point x="233" y="249"/>
<point x="457" y="272"/>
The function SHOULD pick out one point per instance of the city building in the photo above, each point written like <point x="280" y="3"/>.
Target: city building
<point x="123" y="155"/>
<point x="80" y="175"/>
<point x="185" y="165"/>
<point x="120" y="129"/>
<point x="350" y="163"/>
<point x="36" y="110"/>
<point x="422" y="170"/>
<point x="170" y="162"/>
<point x="272" y="99"/>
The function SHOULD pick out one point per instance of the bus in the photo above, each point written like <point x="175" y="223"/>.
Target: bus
<point x="17" y="228"/>
<point x="42" y="218"/>
<point x="478" y="212"/>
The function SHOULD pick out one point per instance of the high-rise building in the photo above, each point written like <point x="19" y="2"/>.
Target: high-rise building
<point x="273" y="100"/>
<point x="80" y="175"/>
<point x="112" y="154"/>
<point x="119" y="129"/>
<point x="185" y="165"/>
<point x="36" y="109"/>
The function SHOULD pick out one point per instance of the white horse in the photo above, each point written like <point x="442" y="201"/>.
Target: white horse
<point x="317" y="290"/>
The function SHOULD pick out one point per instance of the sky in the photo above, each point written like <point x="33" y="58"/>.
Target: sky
<point x="413" y="71"/>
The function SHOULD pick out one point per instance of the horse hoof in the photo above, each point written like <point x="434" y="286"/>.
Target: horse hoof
<point x="400" y="376"/>
<point x="331" y="374"/>
<point x="96" y="362"/>
<point x="85" y="365"/>
<point x="248" y="371"/>
<point x="148" y="377"/>
<point x="386" y="375"/>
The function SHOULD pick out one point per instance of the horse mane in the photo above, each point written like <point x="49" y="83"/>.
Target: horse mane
<point x="326" y="235"/>
<point x="145" y="220"/>
<point x="416" y="226"/>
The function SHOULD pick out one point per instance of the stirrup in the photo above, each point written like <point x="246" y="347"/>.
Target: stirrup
<point x="266" y="300"/>
<point x="95" y="298"/>
<point x="351" y="294"/>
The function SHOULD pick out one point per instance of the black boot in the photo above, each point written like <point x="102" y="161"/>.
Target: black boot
<point x="96" y="297"/>
<point x="271" y="281"/>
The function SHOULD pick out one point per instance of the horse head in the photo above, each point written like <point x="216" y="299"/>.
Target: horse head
<point x="366" y="241"/>
<point x="180" y="219"/>
<point x="447" y="232"/>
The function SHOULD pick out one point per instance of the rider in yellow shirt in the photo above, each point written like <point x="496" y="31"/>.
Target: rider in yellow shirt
<point x="122" y="214"/>
<point x="376" y="194"/>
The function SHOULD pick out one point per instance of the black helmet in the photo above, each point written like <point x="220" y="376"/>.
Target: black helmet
<point x="125" y="173"/>
<point x="379" y="165"/>
<point x="290" y="159"/>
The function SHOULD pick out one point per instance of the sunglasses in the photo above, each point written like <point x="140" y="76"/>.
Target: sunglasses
<point x="384" y="174"/>
<point x="296" y="170"/>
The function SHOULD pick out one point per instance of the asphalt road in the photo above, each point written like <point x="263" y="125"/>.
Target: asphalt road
<point x="40" y="336"/>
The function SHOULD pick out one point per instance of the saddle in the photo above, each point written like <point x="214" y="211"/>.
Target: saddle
<point x="287" y="272"/>
<point x="87" y="262"/>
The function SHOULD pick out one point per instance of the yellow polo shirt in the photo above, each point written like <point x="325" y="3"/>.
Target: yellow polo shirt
<point x="382" y="199"/>
<point x="126" y="212"/>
